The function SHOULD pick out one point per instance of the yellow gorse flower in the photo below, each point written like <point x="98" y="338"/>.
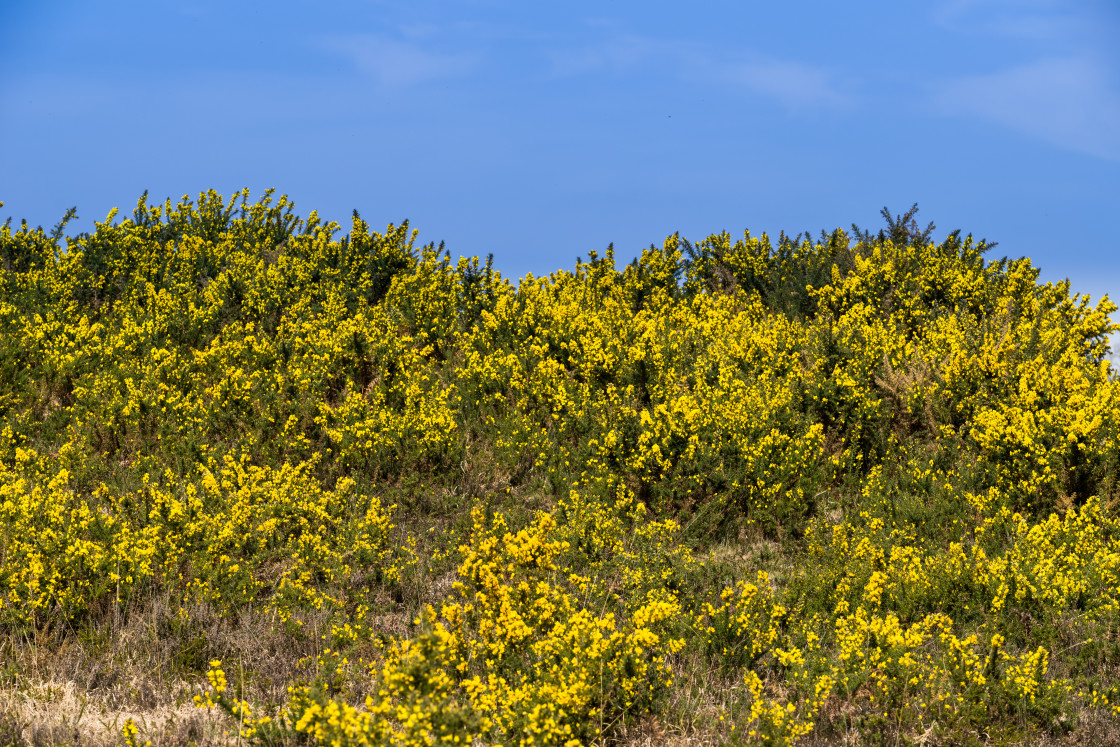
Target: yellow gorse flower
<point x="864" y="476"/>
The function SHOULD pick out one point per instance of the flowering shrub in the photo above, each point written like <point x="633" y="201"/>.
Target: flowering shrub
<point x="513" y="657"/>
<point x="746" y="490"/>
<point x="248" y="534"/>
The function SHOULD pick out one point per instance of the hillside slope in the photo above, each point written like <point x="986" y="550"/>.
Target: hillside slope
<point x="347" y="490"/>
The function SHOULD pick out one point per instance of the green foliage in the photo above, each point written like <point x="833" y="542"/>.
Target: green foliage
<point x="906" y="454"/>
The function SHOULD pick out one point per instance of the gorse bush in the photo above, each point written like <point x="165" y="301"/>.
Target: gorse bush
<point x="858" y="485"/>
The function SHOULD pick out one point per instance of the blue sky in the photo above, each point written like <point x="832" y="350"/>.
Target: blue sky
<point x="541" y="131"/>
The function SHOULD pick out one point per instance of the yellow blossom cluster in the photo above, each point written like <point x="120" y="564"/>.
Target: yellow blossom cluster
<point x="518" y="655"/>
<point x="848" y="483"/>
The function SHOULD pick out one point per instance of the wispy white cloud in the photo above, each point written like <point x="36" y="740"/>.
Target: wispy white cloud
<point x="792" y="83"/>
<point x="1066" y="93"/>
<point x="1037" y="20"/>
<point x="1050" y="27"/>
<point x="394" y="63"/>
<point x="618" y="55"/>
<point x="54" y="95"/>
<point x="1069" y="102"/>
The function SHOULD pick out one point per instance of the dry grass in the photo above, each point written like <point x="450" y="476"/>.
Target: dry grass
<point x="53" y="712"/>
<point x="81" y="686"/>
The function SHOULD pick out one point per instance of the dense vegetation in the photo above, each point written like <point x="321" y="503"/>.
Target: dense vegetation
<point x="342" y="489"/>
